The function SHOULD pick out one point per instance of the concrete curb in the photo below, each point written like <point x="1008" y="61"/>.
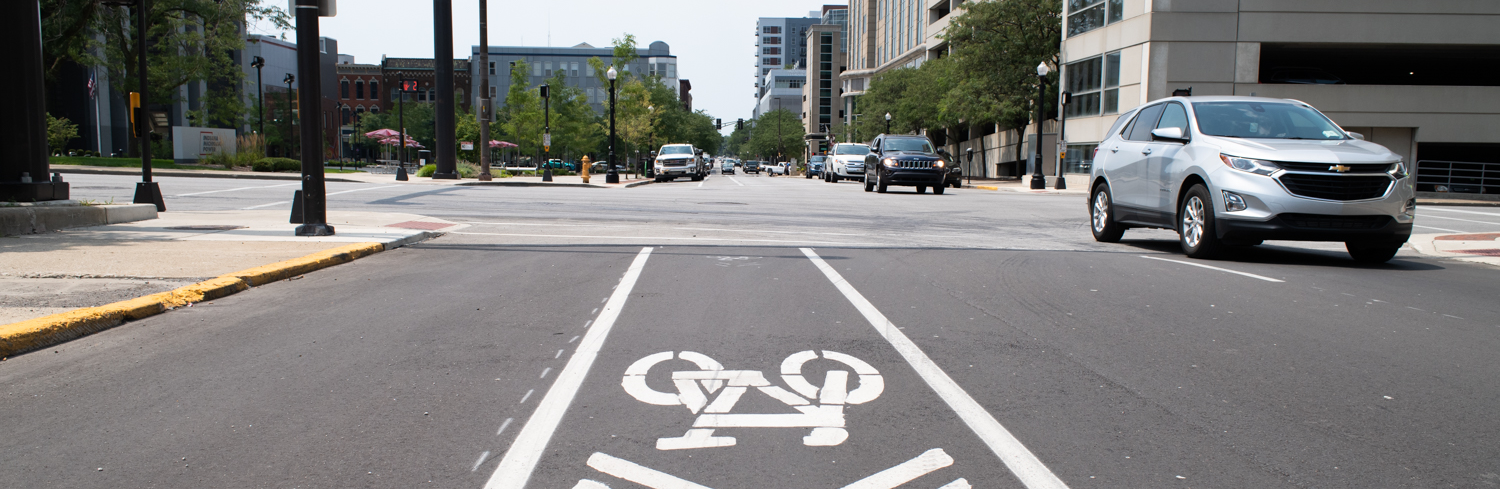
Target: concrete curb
<point x="640" y="183"/>
<point x="192" y="174"/>
<point x="526" y="184"/>
<point x="43" y="332"/>
<point x="37" y="219"/>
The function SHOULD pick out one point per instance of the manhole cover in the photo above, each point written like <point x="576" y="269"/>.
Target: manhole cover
<point x="722" y="203"/>
<point x="206" y="228"/>
<point x="1470" y="237"/>
<point x="1479" y="252"/>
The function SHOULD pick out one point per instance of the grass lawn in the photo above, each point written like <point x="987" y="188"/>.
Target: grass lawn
<point x="120" y="162"/>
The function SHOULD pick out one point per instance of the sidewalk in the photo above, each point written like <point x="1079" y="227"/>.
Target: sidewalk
<point x="1024" y="186"/>
<point x="52" y="273"/>
<point x="1476" y="248"/>
<point x="597" y="180"/>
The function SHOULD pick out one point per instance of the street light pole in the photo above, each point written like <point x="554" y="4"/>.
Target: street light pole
<point x="1062" y="138"/>
<point x="887" y="122"/>
<point x="546" y="133"/>
<point x="1038" y="179"/>
<point x="314" y="192"/>
<point x="290" y="78"/>
<point x="484" y="95"/>
<point x="613" y="176"/>
<point x="260" y="91"/>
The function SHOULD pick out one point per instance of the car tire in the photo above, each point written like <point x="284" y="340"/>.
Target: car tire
<point x="939" y="189"/>
<point x="1196" y="229"/>
<point x="922" y="189"/>
<point x="1102" y="216"/>
<point x="1372" y="253"/>
<point x="869" y="186"/>
<point x="880" y="185"/>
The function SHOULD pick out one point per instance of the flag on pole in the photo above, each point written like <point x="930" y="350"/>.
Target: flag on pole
<point x="92" y="89"/>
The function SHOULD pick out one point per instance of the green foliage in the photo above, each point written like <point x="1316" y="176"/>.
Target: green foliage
<point x="427" y="171"/>
<point x="60" y="130"/>
<point x="276" y="165"/>
<point x="777" y="136"/>
<point x="996" y="47"/>
<point x="465" y="170"/>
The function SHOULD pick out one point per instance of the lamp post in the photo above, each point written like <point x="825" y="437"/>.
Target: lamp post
<point x="260" y="91"/>
<point x="546" y="132"/>
<point x="651" y="143"/>
<point x="887" y="122"/>
<point x="970" y="172"/>
<point x="483" y="110"/>
<point x="1039" y="180"/>
<point x="613" y="176"/>
<point x="314" y="192"/>
<point x="146" y="191"/>
<point x="1062" y="138"/>
<point x="288" y="80"/>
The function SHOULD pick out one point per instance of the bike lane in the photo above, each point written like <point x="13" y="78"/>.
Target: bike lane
<point x="749" y="368"/>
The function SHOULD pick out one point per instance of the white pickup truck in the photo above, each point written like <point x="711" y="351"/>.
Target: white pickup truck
<point x="774" y="169"/>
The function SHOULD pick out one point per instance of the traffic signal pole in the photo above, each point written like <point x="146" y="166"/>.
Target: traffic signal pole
<point x="146" y="191"/>
<point x="314" y="192"/>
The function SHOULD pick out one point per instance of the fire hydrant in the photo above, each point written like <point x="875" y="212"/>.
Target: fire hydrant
<point x="584" y="168"/>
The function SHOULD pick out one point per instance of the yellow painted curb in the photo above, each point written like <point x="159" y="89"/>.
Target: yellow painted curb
<point x="986" y="187"/>
<point x="17" y="338"/>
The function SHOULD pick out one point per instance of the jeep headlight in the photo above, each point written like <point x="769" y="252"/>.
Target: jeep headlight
<point x="1248" y="165"/>
<point x="889" y="163"/>
<point x="938" y="164"/>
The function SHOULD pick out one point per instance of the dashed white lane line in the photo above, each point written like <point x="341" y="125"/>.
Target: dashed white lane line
<point x="559" y="355"/>
<point x="545" y="371"/>
<point x="527" y="396"/>
<point x="234" y="190"/>
<point x="1225" y="270"/>
<point x="1021" y="462"/>
<point x="575" y="338"/>
<point x="504" y="425"/>
<point x="515" y="469"/>
<point x="736" y="182"/>
<point x="479" y="462"/>
<point x="1464" y="212"/>
<point x="700" y="184"/>
<point x="1436" y="229"/>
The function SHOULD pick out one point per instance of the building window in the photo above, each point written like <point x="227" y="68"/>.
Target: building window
<point x="772" y="40"/>
<point x="1080" y="158"/>
<point x="375" y="90"/>
<point x="344" y="89"/>
<point x="773" y="62"/>
<point x="1087" y="15"/>
<point x="573" y="69"/>
<point x="374" y="110"/>
<point x="359" y="89"/>
<point x="1095" y="83"/>
<point x="770" y="29"/>
<point x="492" y="67"/>
<point x="492" y="92"/>
<point x="770" y="51"/>
<point x="421" y="95"/>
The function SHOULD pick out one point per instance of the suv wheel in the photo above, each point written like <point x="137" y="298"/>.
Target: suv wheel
<point x="1195" y="226"/>
<point x="1102" y="212"/>
<point x="869" y="185"/>
<point x="939" y="189"/>
<point x="880" y="185"/>
<point x="1376" y="253"/>
<point x="922" y="189"/>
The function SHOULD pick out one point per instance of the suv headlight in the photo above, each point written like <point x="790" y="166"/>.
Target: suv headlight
<point x="1398" y="170"/>
<point x="889" y="163"/>
<point x="938" y="163"/>
<point x="1248" y="165"/>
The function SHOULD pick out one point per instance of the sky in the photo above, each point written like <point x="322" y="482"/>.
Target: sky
<point x="714" y="40"/>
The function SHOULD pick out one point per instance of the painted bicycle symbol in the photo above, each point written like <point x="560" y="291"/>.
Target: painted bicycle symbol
<point x="818" y="408"/>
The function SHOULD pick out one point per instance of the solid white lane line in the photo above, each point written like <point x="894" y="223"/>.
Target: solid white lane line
<point x="1016" y="456"/>
<point x="515" y="469"/>
<point x="660" y="238"/>
<point x="1225" y="270"/>
<point x="906" y="472"/>
<point x="503" y="426"/>
<point x="482" y="456"/>
<point x="633" y="472"/>
<point x="234" y="189"/>
<point x="736" y="182"/>
<point x="1456" y="210"/>
<point x="284" y="202"/>
<point x="1464" y="220"/>
<point x="1438" y="229"/>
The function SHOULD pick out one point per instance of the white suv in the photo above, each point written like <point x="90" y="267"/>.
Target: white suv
<point x="846" y="162"/>
<point x="1234" y="171"/>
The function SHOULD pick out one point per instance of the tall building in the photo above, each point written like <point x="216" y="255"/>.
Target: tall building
<point x="780" y="44"/>
<point x="1393" y="72"/>
<point x="544" y="62"/>
<point x="887" y="34"/>
<point x="822" y="105"/>
<point x="783" y="90"/>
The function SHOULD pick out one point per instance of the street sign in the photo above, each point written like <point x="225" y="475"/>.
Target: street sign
<point x="547" y="139"/>
<point x="467" y="146"/>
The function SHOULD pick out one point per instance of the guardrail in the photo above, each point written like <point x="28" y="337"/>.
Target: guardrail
<point x="1458" y="177"/>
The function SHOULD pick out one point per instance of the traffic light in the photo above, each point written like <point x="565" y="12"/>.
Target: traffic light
<point x="718" y="124"/>
<point x="545" y="91"/>
<point x="135" y="118"/>
<point x="739" y="125"/>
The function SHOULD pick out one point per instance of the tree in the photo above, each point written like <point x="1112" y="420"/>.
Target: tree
<point x="777" y="135"/>
<point x="996" y="47"/>
<point x="60" y="130"/>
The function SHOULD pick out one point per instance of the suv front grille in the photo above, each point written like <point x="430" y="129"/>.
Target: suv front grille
<point x="1327" y="167"/>
<point x="1314" y="221"/>
<point x="914" y="164"/>
<point x="1336" y="187"/>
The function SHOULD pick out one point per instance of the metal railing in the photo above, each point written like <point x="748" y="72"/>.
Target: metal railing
<point x="1458" y="177"/>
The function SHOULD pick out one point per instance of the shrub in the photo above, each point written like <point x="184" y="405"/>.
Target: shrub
<point x="427" y="171"/>
<point x="264" y="165"/>
<point x="276" y="164"/>
<point x="469" y="170"/>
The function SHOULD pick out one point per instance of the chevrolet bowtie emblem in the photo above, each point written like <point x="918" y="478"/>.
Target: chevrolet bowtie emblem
<point x="1339" y="168"/>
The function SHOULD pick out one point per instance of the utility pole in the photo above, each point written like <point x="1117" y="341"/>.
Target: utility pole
<point x="447" y="159"/>
<point x="314" y="192"/>
<point x="483" y="111"/>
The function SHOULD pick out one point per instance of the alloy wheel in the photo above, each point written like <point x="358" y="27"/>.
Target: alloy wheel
<point x="1101" y="211"/>
<point x="1192" y="222"/>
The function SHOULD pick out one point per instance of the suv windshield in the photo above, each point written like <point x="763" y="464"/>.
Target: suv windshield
<point x="910" y="145"/>
<point x="818" y="159"/>
<point x="851" y="149"/>
<point x="1257" y="120"/>
<point x="677" y="150"/>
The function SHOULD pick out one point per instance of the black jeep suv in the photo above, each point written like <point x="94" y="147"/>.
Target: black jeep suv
<point x="904" y="160"/>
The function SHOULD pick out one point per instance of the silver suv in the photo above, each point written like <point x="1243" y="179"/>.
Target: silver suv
<point x="1234" y="171"/>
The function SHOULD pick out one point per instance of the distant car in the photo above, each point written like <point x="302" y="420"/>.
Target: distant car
<point x="815" y="166"/>
<point x="1233" y="171"/>
<point x="679" y="160"/>
<point x="727" y="168"/>
<point x="751" y="166"/>
<point x="905" y="160"/>
<point x="561" y="165"/>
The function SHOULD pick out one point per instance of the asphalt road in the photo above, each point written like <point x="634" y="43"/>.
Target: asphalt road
<point x="757" y="332"/>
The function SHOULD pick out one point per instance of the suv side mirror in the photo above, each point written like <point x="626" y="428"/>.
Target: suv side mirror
<point x="1168" y="134"/>
<point x="1358" y="136"/>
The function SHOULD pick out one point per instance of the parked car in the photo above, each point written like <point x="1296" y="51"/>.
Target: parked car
<point x="679" y="160"/>
<point x="1234" y="171"/>
<point x="751" y="166"/>
<point x="846" y="162"/>
<point x="561" y="165"/>
<point x="727" y="168"/>
<point x="904" y="160"/>
<point x="773" y="169"/>
<point x="815" y="166"/>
